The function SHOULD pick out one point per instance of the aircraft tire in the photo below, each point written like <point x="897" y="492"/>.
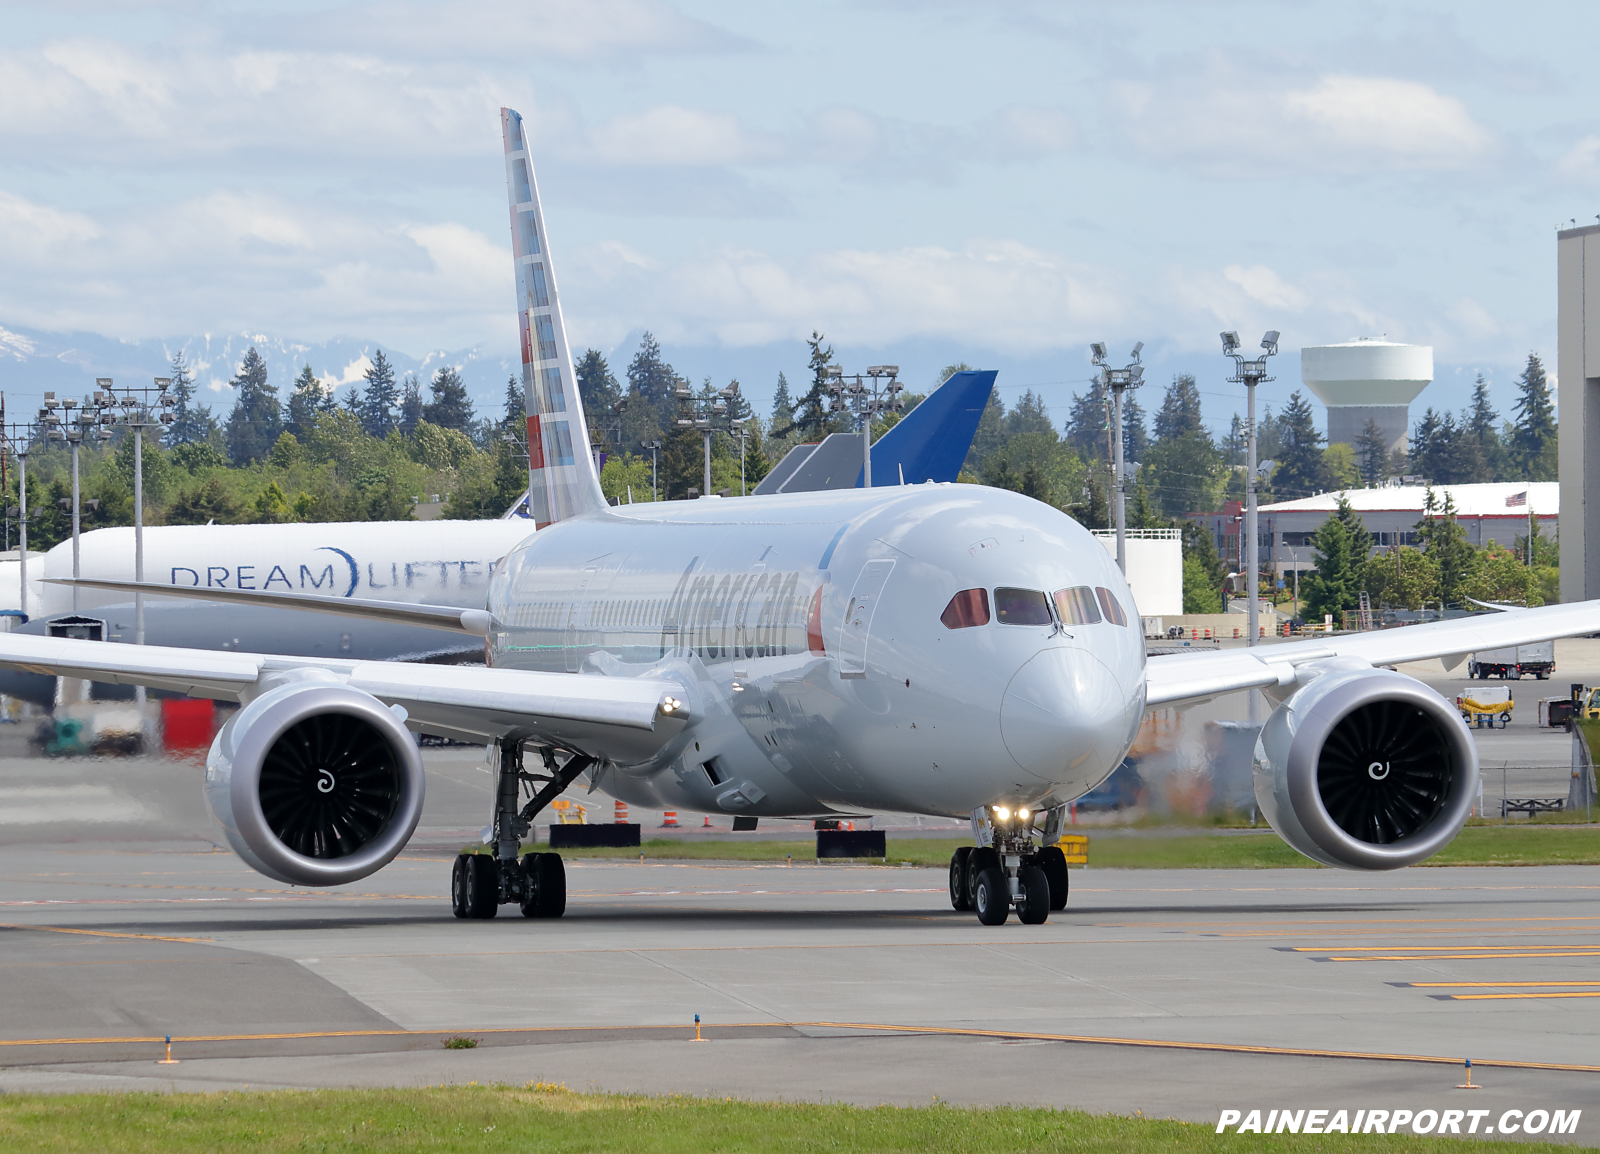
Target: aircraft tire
<point x="960" y="895"/>
<point x="458" y="886"/>
<point x="1035" y="905"/>
<point x="991" y="897"/>
<point x="1054" y="864"/>
<point x="546" y="889"/>
<point x="482" y="886"/>
<point x="981" y="858"/>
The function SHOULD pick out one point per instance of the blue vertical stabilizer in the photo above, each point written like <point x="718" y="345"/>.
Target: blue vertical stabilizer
<point x="933" y="439"/>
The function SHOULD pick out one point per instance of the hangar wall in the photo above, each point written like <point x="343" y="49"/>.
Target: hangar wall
<point x="1578" y="384"/>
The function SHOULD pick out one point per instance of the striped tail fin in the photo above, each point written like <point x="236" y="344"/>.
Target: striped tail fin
<point x="561" y="477"/>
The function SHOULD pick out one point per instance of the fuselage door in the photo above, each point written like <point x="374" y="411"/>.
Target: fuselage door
<point x="858" y="617"/>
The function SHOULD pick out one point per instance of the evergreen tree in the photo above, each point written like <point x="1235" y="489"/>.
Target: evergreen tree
<point x="1203" y="570"/>
<point x="514" y="405"/>
<point x="1086" y="422"/>
<point x="1187" y="473"/>
<point x="191" y="423"/>
<point x="813" y="415"/>
<point x="989" y="436"/>
<point x="601" y="394"/>
<point x="1446" y="543"/>
<point x="1180" y="409"/>
<point x="1029" y="415"/>
<point x="410" y="404"/>
<point x="306" y="400"/>
<point x="255" y="422"/>
<point x="652" y="407"/>
<point x="1236" y="444"/>
<point x="450" y="408"/>
<point x="1482" y="422"/>
<point x="1335" y="584"/>
<point x="1269" y="442"/>
<point x="1135" y="441"/>
<point x="782" y="404"/>
<point x="377" y="404"/>
<point x="1372" y="450"/>
<point x="1533" y="439"/>
<point x="1301" y="471"/>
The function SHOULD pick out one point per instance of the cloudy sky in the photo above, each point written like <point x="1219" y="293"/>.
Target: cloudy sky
<point x="995" y="182"/>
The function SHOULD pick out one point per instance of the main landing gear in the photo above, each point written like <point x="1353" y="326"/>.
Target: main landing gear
<point x="480" y="883"/>
<point x="1010" y="871"/>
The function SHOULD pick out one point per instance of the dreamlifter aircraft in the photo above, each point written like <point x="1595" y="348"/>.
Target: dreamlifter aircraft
<point x="935" y="648"/>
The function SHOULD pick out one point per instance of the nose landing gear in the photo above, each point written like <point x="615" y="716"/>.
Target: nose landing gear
<point x="1009" y="871"/>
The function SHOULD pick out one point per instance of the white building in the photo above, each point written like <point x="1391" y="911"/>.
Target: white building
<point x="1155" y="568"/>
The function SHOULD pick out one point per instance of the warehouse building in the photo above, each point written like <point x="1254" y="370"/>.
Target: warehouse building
<point x="1495" y="512"/>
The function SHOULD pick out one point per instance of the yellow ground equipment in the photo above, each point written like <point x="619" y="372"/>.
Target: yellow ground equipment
<point x="569" y="812"/>
<point x="1485" y="704"/>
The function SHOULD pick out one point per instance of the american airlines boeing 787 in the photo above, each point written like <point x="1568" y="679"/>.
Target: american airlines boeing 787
<point x="933" y="648"/>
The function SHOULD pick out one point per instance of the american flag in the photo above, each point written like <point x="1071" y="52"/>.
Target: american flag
<point x="1517" y="499"/>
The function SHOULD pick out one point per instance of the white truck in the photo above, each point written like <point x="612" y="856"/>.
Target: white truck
<point x="1514" y="661"/>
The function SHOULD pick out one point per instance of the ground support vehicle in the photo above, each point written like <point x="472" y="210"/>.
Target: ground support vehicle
<point x="1513" y="662"/>
<point x="1486" y="705"/>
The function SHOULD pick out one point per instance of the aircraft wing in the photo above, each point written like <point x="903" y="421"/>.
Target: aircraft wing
<point x="623" y="719"/>
<point x="1175" y="679"/>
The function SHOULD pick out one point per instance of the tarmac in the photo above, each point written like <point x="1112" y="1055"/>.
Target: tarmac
<point x="1175" y="993"/>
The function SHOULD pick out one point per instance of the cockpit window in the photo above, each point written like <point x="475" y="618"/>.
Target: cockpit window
<point x="1114" y="612"/>
<point x="1021" y="607"/>
<point x="967" y="608"/>
<point x="1076" y="606"/>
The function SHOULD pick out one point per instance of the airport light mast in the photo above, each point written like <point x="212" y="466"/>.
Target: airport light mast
<point x="1119" y="381"/>
<point x="80" y="422"/>
<point x="866" y="401"/>
<point x="139" y="412"/>
<point x="1251" y="373"/>
<point x="709" y="415"/>
<point x="20" y="439"/>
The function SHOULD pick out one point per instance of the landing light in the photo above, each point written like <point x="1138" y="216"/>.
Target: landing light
<point x="1022" y="815"/>
<point x="1001" y="812"/>
<point x="670" y="705"/>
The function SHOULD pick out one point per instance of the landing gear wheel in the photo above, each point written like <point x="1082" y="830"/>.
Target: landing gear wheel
<point x="960" y="895"/>
<point x="991" y="897"/>
<point x="1034" y="907"/>
<point x="981" y="858"/>
<point x="458" y="886"/>
<point x="1054" y="864"/>
<point x="544" y="890"/>
<point x="482" y="886"/>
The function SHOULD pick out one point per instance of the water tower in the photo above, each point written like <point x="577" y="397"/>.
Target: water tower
<point x="1364" y="380"/>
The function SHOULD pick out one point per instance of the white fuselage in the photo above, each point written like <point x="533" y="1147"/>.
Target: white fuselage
<point x="857" y="700"/>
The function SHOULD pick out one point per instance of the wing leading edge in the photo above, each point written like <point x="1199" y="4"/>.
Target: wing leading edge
<point x="1192" y="677"/>
<point x="622" y="719"/>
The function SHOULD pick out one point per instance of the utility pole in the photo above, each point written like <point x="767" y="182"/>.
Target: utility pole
<point x="78" y="424"/>
<point x="1118" y="381"/>
<point x="137" y="416"/>
<point x="654" y="447"/>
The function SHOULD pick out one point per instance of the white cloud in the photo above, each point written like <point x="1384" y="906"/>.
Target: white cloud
<point x="1265" y="287"/>
<point x="670" y="134"/>
<point x="1209" y="114"/>
<point x="1406" y="122"/>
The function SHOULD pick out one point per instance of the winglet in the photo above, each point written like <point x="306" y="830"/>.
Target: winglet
<point x="561" y="476"/>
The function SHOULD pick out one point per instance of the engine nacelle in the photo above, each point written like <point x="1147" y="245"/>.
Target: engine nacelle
<point x="1366" y="769"/>
<point x="315" y="783"/>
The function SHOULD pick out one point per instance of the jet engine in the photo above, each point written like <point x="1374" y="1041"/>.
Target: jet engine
<point x="1366" y="769"/>
<point x="315" y="783"/>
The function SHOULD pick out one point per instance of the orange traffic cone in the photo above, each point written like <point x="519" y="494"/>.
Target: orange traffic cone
<point x="669" y="820"/>
<point x="619" y="813"/>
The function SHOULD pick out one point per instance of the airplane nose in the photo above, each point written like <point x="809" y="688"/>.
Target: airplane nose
<point x="1062" y="709"/>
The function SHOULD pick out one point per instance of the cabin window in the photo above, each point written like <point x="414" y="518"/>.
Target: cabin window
<point x="1022" y="607"/>
<point x="1114" y="613"/>
<point x="1076" y="606"/>
<point x="967" y="608"/>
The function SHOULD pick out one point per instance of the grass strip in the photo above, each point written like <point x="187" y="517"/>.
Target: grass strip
<point x="540" y="1117"/>
<point x="1477" y="845"/>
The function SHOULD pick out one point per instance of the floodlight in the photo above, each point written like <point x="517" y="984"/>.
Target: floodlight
<point x="103" y="382"/>
<point x="163" y="382"/>
<point x="1137" y="348"/>
<point x="1098" y="348"/>
<point x="1230" y="341"/>
<point x="834" y="371"/>
<point x="1270" y="341"/>
<point x="1136" y="374"/>
<point x="892" y="370"/>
